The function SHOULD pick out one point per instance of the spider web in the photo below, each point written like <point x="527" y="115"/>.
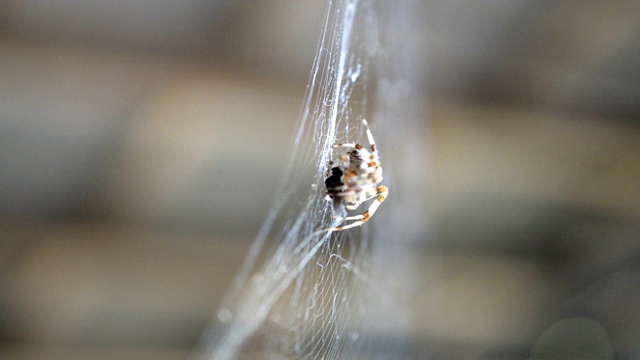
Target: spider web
<point x="308" y="293"/>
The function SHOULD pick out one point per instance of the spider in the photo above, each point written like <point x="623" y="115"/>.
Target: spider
<point x="355" y="180"/>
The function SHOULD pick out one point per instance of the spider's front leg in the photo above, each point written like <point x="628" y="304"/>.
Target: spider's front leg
<point x="381" y="192"/>
<point x="372" y="142"/>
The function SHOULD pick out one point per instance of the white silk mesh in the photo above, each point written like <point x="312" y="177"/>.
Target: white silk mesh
<point x="308" y="293"/>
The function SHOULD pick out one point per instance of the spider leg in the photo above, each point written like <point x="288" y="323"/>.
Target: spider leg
<point x="370" y="137"/>
<point x="349" y="218"/>
<point x="382" y="192"/>
<point x="372" y="142"/>
<point x="344" y="145"/>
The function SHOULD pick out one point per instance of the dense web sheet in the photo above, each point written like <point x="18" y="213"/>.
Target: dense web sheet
<point x="308" y="293"/>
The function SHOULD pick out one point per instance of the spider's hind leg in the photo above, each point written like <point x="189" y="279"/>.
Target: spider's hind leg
<point x="382" y="192"/>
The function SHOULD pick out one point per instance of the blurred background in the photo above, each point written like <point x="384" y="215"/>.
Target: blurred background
<point x="141" y="143"/>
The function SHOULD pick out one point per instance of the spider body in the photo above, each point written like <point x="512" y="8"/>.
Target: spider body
<point x="354" y="180"/>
